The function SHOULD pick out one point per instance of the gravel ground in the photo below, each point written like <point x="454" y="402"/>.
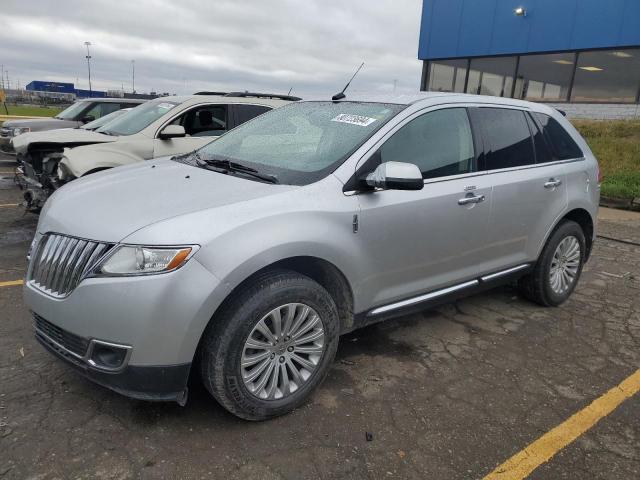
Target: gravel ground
<point x="445" y="394"/>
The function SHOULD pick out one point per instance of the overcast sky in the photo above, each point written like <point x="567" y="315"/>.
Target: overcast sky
<point x="185" y="46"/>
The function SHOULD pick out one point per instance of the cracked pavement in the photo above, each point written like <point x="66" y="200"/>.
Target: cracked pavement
<point x="445" y="394"/>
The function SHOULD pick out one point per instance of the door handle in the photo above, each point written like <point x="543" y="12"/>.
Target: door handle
<point x="471" y="199"/>
<point x="552" y="183"/>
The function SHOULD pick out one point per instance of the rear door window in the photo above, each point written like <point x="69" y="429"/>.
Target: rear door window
<point x="564" y="147"/>
<point x="507" y="139"/>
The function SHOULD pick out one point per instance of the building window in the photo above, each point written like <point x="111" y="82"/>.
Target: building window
<point x="492" y="76"/>
<point x="447" y="75"/>
<point x="544" y="77"/>
<point x="607" y="76"/>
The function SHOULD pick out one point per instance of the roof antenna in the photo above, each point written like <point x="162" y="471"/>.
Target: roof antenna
<point x="341" y="95"/>
<point x="289" y="92"/>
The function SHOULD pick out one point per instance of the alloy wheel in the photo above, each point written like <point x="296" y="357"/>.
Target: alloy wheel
<point x="282" y="351"/>
<point x="565" y="265"/>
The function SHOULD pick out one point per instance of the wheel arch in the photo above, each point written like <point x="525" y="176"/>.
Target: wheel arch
<point x="322" y="271"/>
<point x="583" y="218"/>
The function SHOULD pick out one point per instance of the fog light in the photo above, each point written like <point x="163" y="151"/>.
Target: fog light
<point x="108" y="356"/>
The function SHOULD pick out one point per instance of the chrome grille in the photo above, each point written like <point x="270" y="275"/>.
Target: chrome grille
<point x="61" y="262"/>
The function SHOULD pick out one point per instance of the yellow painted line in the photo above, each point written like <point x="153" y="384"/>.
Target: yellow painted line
<point x="9" y="205"/>
<point x="11" y="283"/>
<point x="542" y="450"/>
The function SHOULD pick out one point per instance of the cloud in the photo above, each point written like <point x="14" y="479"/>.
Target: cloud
<point x="181" y="47"/>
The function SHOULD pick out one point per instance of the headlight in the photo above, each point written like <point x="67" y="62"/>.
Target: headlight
<point x="139" y="260"/>
<point x="20" y="130"/>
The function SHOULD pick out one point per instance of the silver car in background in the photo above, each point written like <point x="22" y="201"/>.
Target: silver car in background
<point x="250" y="257"/>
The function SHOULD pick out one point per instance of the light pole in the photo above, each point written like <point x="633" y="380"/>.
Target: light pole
<point x="89" y="67"/>
<point x="133" y="76"/>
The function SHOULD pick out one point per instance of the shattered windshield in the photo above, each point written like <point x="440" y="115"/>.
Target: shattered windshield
<point x="301" y="143"/>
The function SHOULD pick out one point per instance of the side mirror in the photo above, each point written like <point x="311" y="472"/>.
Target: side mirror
<point x="395" y="176"/>
<point x="87" y="119"/>
<point x="172" y="131"/>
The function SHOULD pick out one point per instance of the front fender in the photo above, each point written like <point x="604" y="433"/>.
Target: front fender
<point x="79" y="161"/>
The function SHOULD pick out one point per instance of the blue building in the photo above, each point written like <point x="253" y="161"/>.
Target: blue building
<point x="81" y="93"/>
<point x="62" y="87"/>
<point x="574" y="51"/>
<point x="55" y="87"/>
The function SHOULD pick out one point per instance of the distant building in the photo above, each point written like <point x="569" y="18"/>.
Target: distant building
<point x="82" y="93"/>
<point x="54" y="87"/>
<point x="575" y="52"/>
<point x="62" y="87"/>
<point x="69" y="88"/>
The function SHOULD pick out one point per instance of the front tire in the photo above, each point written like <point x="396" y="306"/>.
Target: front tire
<point x="558" y="268"/>
<point x="270" y="345"/>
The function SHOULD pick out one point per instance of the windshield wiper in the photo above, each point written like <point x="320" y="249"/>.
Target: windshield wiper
<point x="231" y="166"/>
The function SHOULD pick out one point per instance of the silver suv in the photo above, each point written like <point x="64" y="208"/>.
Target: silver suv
<point x="246" y="260"/>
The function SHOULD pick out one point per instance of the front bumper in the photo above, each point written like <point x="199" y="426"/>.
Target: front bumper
<point x="160" y="383"/>
<point x="161" y="317"/>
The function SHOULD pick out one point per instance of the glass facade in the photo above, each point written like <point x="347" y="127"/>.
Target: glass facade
<point x="545" y="77"/>
<point x="448" y="75"/>
<point x="607" y="76"/>
<point x="491" y="76"/>
<point x="603" y="76"/>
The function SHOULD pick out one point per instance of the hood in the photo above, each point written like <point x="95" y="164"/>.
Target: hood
<point x="67" y="137"/>
<point x="39" y="124"/>
<point x="110" y="205"/>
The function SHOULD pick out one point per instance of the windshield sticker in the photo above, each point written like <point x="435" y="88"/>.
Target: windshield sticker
<point x="354" y="119"/>
<point x="166" y="105"/>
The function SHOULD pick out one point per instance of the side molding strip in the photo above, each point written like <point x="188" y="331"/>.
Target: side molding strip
<point x="445" y="291"/>
<point x="487" y="278"/>
<point x="421" y="298"/>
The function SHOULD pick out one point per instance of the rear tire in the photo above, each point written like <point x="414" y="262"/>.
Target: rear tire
<point x="558" y="269"/>
<point x="291" y="367"/>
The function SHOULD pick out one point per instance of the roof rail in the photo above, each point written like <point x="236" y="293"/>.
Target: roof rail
<point x="263" y="95"/>
<point x="221" y="94"/>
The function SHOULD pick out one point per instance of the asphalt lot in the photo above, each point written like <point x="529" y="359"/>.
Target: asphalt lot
<point x="445" y="394"/>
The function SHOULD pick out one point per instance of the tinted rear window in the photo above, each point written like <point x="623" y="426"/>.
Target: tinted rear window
<point x="507" y="138"/>
<point x="563" y="146"/>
